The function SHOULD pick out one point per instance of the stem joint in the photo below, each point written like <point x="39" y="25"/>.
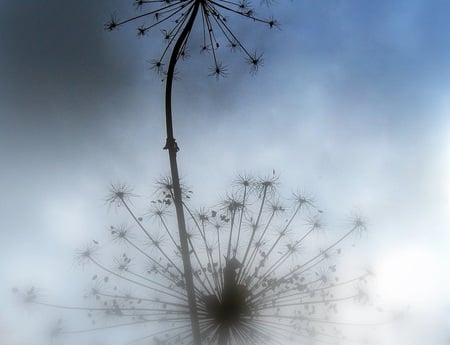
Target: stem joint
<point x="171" y="145"/>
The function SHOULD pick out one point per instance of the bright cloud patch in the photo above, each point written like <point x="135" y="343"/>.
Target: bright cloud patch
<point x="409" y="276"/>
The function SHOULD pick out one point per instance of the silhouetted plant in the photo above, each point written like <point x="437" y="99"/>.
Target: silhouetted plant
<point x="259" y="276"/>
<point x="177" y="20"/>
<point x="238" y="273"/>
<point x="180" y="16"/>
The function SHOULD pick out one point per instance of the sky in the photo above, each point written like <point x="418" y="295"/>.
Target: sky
<point x="352" y="105"/>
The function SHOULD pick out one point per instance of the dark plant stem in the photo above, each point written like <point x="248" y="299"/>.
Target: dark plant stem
<point x="172" y="147"/>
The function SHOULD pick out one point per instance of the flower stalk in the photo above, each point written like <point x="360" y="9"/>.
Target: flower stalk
<point x="173" y="149"/>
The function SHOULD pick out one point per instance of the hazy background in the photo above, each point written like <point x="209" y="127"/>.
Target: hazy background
<point x="352" y="105"/>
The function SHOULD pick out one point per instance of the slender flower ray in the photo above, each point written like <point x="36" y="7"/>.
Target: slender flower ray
<point x="154" y="334"/>
<point x="323" y="253"/>
<point x="309" y="302"/>
<point x="168" y="232"/>
<point x="285" y="228"/>
<point x="139" y="223"/>
<point x="170" y="278"/>
<point x="98" y="264"/>
<point x="254" y="253"/>
<point x="114" y="24"/>
<point x="262" y="335"/>
<point x="57" y="306"/>
<point x="291" y="249"/>
<point x="241" y="216"/>
<point x="264" y="193"/>
<point x="202" y="270"/>
<point x="230" y="237"/>
<point x="324" y="321"/>
<point x="280" y="331"/>
<point x="275" y="243"/>
<point x="305" y="290"/>
<point x="211" y="264"/>
<point x="201" y="230"/>
<point x="218" y="229"/>
<point x="183" y="294"/>
<point x="152" y="300"/>
<point x="90" y="330"/>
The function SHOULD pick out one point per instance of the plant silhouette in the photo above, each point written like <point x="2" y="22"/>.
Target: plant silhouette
<point x="246" y="271"/>
<point x="259" y="275"/>
<point x="183" y="14"/>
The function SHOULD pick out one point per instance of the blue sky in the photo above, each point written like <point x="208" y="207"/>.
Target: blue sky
<point x="352" y="105"/>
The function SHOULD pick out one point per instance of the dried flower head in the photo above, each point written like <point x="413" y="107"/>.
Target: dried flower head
<point x="118" y="193"/>
<point x="259" y="277"/>
<point x="86" y="254"/>
<point x="181" y="19"/>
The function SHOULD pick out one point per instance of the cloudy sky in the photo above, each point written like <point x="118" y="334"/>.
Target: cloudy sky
<point x="352" y="105"/>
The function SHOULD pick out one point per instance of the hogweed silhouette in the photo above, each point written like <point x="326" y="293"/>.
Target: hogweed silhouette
<point x="259" y="276"/>
<point x="236" y="273"/>
<point x="178" y="19"/>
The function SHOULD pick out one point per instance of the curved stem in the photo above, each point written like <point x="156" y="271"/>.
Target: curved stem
<point x="172" y="147"/>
